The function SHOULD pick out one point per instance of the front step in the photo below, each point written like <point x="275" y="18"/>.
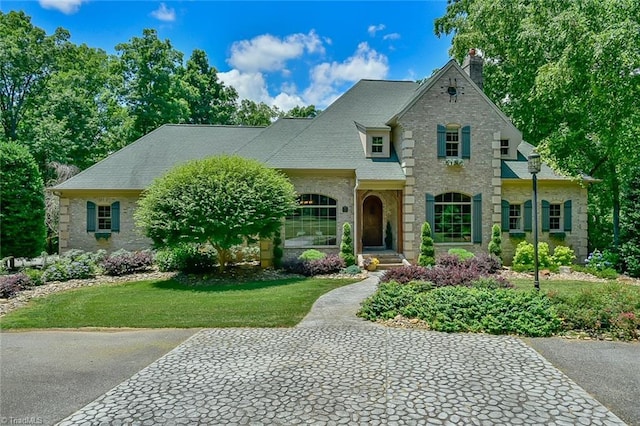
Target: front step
<point x="388" y="260"/>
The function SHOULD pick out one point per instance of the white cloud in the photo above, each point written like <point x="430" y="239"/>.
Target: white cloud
<point x="250" y="85"/>
<point x="68" y="7"/>
<point x="164" y="13"/>
<point x="391" y="36"/>
<point x="327" y="78"/>
<point x="269" y="53"/>
<point x="285" y="101"/>
<point x="373" y="29"/>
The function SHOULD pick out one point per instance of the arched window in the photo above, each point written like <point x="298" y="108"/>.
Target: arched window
<point x="452" y="218"/>
<point x="313" y="223"/>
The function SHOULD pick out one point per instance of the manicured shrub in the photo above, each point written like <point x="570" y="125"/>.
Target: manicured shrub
<point x="491" y="283"/>
<point x="346" y="246"/>
<point x="188" y="258"/>
<point x="427" y="252"/>
<point x="563" y="256"/>
<point x="487" y="263"/>
<point x="311" y="254"/>
<point x="351" y="270"/>
<point x="461" y="253"/>
<point x="10" y="285"/>
<point x="388" y="237"/>
<point x="481" y="310"/>
<point x="327" y="265"/>
<point x="390" y="298"/>
<point x="123" y="262"/>
<point x="495" y="245"/>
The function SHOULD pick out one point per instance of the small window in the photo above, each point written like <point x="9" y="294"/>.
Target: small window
<point x="515" y="217"/>
<point x="377" y="144"/>
<point x="453" y="143"/>
<point x="504" y="147"/>
<point x="104" y="218"/>
<point x="555" y="216"/>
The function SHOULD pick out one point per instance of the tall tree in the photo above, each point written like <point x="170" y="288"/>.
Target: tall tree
<point x="153" y="91"/>
<point x="302" y="111"/>
<point x="69" y="125"/>
<point x="209" y="100"/>
<point x="250" y="113"/>
<point x="28" y="58"/>
<point x="567" y="73"/>
<point x="22" y="210"/>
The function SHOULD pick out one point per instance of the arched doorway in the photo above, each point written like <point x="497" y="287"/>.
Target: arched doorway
<point x="372" y="222"/>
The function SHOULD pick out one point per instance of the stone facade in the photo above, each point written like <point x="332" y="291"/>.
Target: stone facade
<point x="519" y="191"/>
<point x="428" y="174"/>
<point x="73" y="224"/>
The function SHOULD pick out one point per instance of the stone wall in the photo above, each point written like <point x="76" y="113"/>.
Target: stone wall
<point x="556" y="192"/>
<point x="73" y="225"/>
<point x="427" y="174"/>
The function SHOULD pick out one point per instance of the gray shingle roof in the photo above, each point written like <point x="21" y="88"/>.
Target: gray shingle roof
<point x="519" y="169"/>
<point x="136" y="165"/>
<point x="329" y="141"/>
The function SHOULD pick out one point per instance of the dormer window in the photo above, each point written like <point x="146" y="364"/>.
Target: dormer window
<point x="377" y="144"/>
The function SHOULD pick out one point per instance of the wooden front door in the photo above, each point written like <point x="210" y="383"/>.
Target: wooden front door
<point x="372" y="222"/>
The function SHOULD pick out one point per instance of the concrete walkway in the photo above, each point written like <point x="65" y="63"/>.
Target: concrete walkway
<point x="333" y="369"/>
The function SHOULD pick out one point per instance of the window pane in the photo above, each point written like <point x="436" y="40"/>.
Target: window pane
<point x="313" y="223"/>
<point x="515" y="217"/>
<point x="104" y="218"/>
<point x="554" y="216"/>
<point x="452" y="217"/>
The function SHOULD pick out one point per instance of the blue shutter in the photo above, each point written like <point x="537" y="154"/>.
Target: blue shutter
<point x="115" y="216"/>
<point x="91" y="216"/>
<point x="545" y="216"/>
<point x="505" y="215"/>
<point x="431" y="212"/>
<point x="466" y="142"/>
<point x="442" y="141"/>
<point x="567" y="215"/>
<point x="528" y="215"/>
<point x="476" y="214"/>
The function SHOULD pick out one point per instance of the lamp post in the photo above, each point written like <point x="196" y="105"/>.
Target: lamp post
<point x="533" y="161"/>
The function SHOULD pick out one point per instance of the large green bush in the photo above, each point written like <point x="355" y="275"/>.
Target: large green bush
<point x="22" y="210"/>
<point x="523" y="259"/>
<point x="222" y="201"/>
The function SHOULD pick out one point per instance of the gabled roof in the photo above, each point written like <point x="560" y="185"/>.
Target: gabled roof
<point x="329" y="141"/>
<point x="138" y="164"/>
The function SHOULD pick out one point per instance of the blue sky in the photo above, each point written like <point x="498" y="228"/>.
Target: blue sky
<point x="282" y="53"/>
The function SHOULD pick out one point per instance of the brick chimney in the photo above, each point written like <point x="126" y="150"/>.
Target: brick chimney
<point x="472" y="65"/>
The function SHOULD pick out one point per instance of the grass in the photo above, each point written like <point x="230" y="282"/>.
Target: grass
<point x="170" y="304"/>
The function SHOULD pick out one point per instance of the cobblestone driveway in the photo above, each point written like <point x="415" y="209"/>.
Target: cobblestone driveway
<point x="347" y="375"/>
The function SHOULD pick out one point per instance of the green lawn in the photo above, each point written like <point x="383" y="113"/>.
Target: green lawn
<point x="158" y="304"/>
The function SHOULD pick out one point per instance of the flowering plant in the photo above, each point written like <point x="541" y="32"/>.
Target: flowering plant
<point x="370" y="262"/>
<point x="454" y="162"/>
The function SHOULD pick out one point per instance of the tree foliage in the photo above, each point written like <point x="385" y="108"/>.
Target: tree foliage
<point x="346" y="245"/>
<point x="28" y="58"/>
<point x="223" y="201"/>
<point x="209" y="100"/>
<point x="22" y="211"/>
<point x="427" y="255"/>
<point x="630" y="226"/>
<point x="569" y="76"/>
<point x="153" y="90"/>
